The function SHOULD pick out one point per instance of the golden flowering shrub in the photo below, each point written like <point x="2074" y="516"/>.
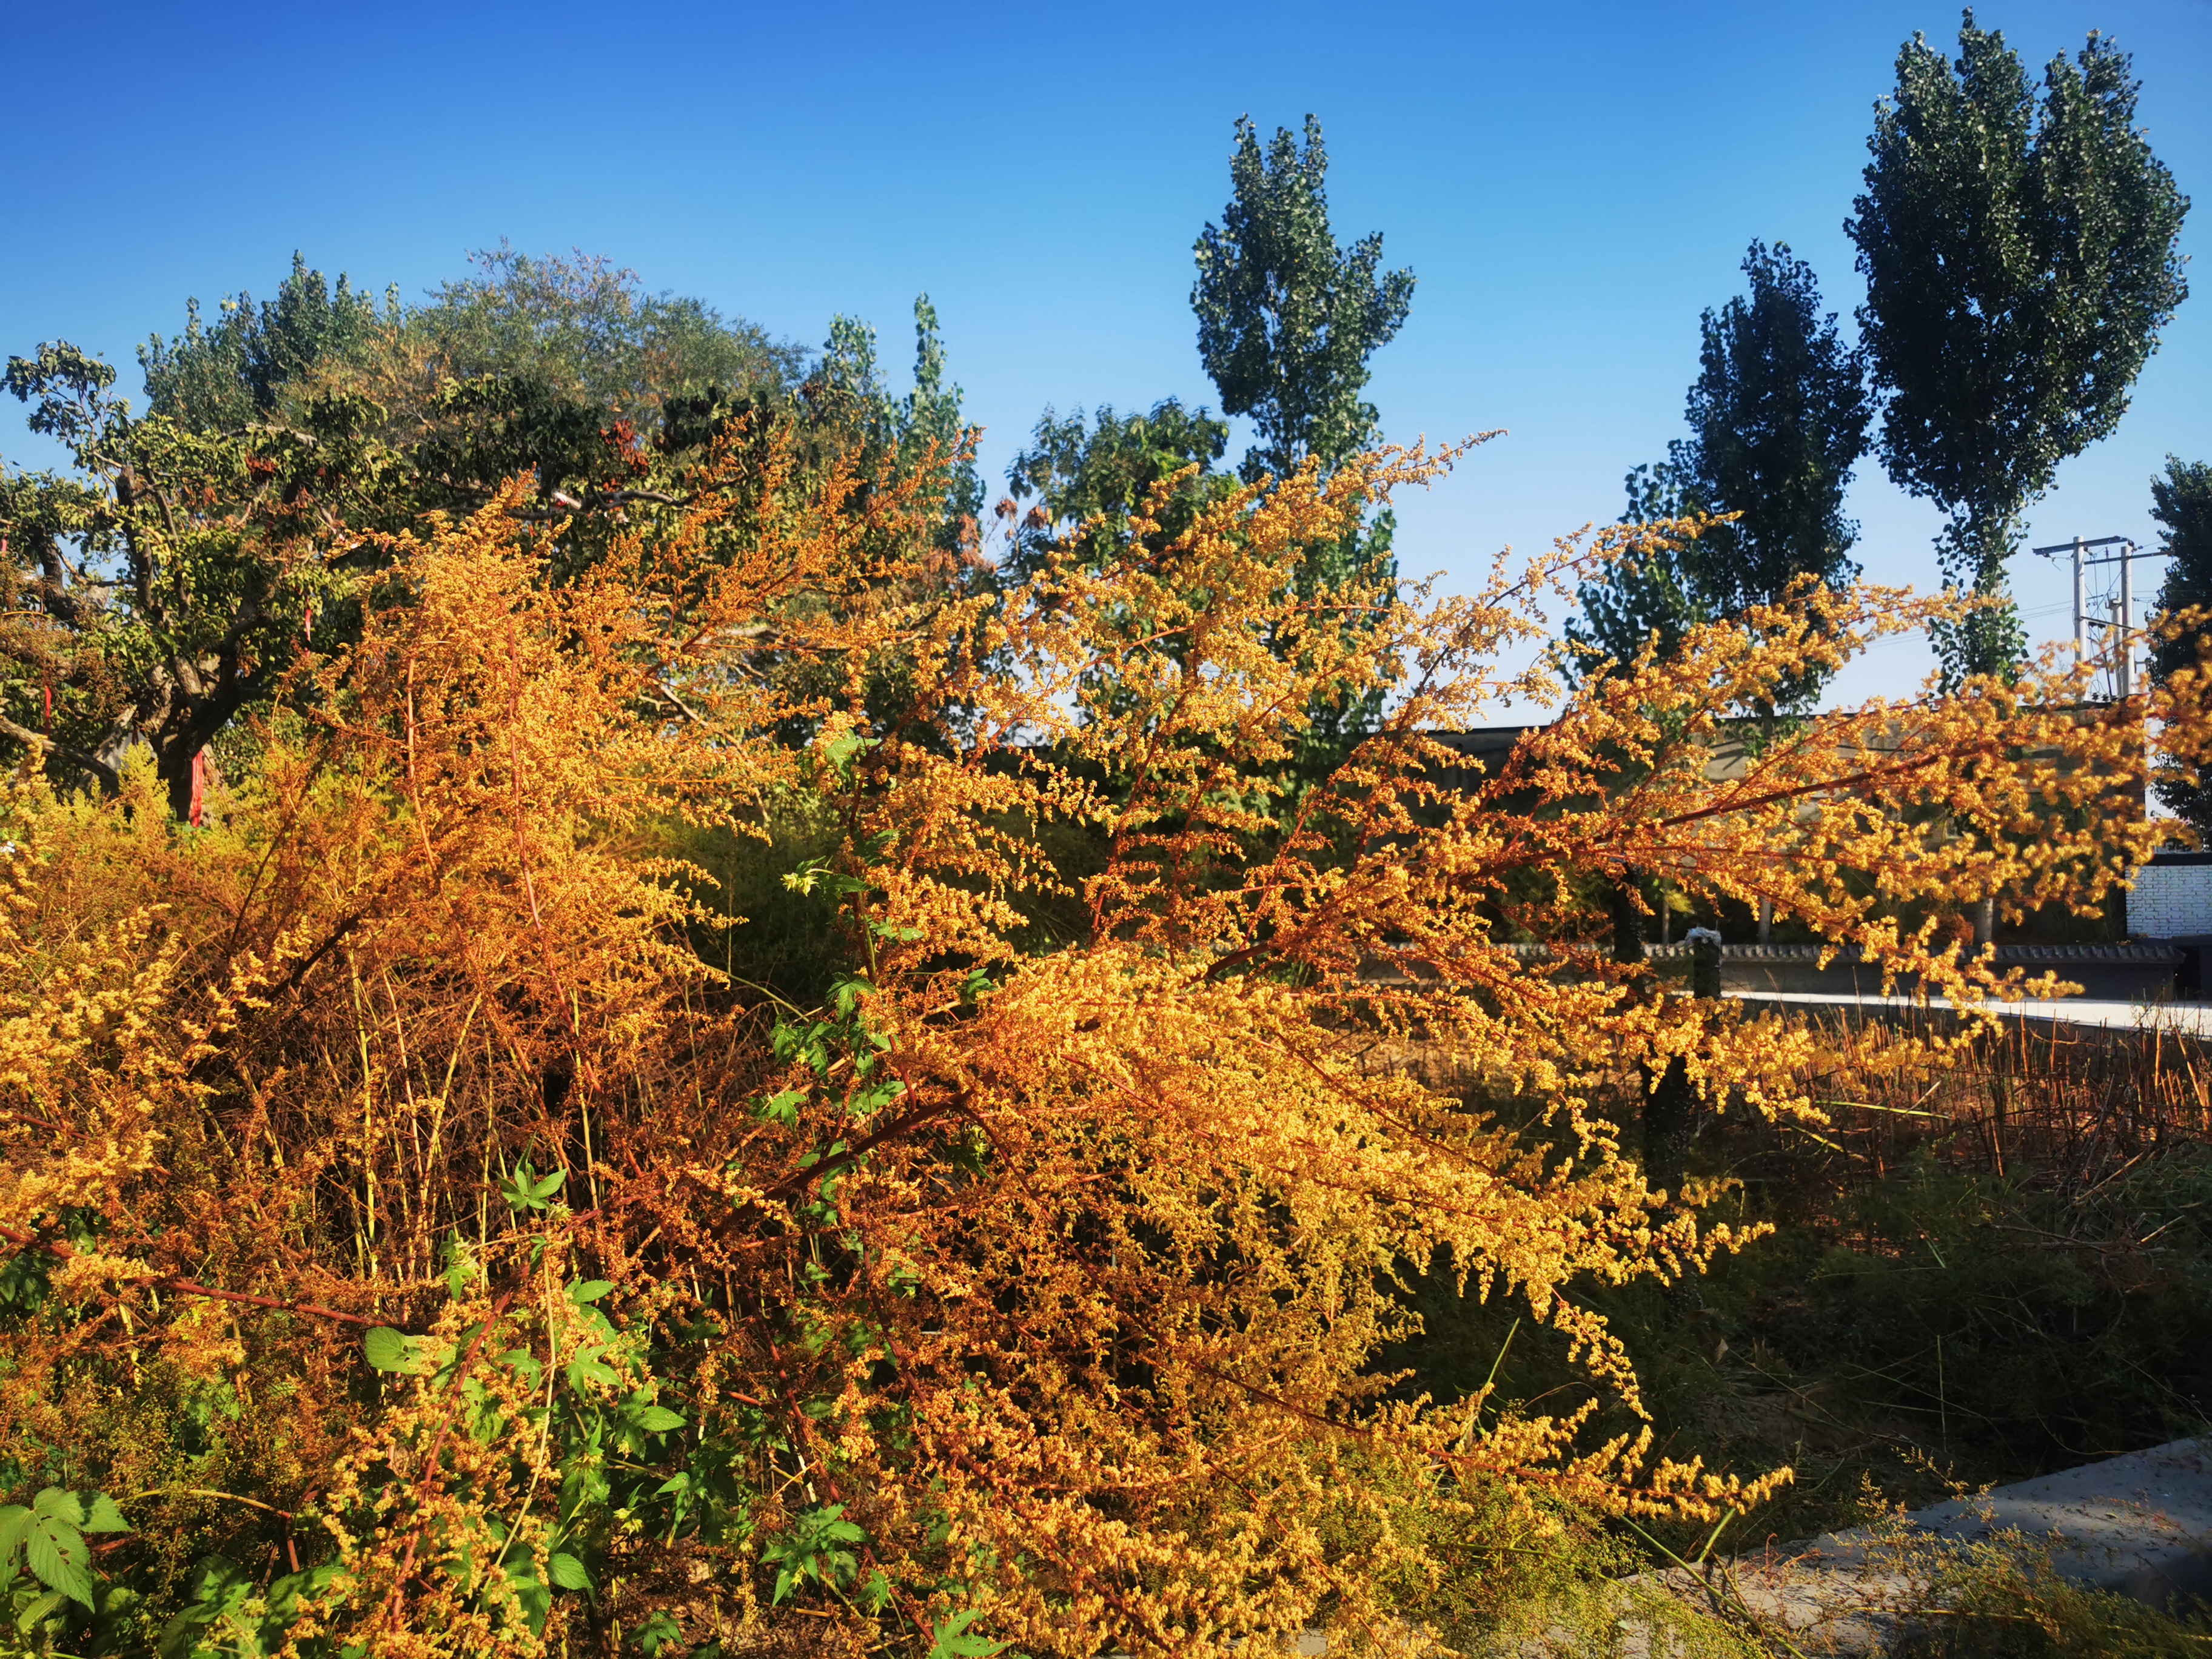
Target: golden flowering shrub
<point x="430" y="1255"/>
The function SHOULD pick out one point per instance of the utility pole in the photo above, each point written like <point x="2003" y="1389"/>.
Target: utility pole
<point x="2127" y="620"/>
<point x="2122" y="622"/>
<point x="2081" y="610"/>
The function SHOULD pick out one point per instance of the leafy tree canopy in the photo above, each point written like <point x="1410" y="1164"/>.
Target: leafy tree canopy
<point x="1778" y="419"/>
<point x="1087" y="479"/>
<point x="194" y="550"/>
<point x="2020" y="257"/>
<point x="1286" y="319"/>
<point x="222" y="376"/>
<point x="579" y="328"/>
<point x="2181" y="501"/>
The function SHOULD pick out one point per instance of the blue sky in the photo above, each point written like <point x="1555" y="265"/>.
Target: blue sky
<point x="1571" y="186"/>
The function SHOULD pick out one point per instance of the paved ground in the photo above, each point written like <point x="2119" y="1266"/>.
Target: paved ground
<point x="2185" y="1019"/>
<point x="2140" y="1525"/>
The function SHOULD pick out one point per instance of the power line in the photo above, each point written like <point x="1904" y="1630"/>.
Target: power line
<point x="2122" y="622"/>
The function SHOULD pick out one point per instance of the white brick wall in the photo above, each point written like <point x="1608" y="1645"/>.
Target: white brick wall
<point x="2170" y="901"/>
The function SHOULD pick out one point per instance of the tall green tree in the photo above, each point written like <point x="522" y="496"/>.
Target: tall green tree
<point x="1287" y="320"/>
<point x="2182" y="503"/>
<point x="1658" y="593"/>
<point x="2019" y="258"/>
<point x="1777" y="417"/>
<point x="848" y="389"/>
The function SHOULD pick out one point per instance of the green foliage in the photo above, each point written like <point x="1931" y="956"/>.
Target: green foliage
<point x="227" y="1618"/>
<point x="1087" y="477"/>
<point x="2182" y="503"/>
<point x="596" y="1431"/>
<point x="2021" y="259"/>
<point x="927" y="422"/>
<point x="1286" y="319"/>
<point x="221" y="377"/>
<point x="46" y="1536"/>
<point x="1659" y="590"/>
<point x="159" y="590"/>
<point x="525" y="1189"/>
<point x="814" y="1550"/>
<point x="152" y="594"/>
<point x="932" y="416"/>
<point x="953" y="1640"/>
<point x="586" y="330"/>
<point x="1778" y="418"/>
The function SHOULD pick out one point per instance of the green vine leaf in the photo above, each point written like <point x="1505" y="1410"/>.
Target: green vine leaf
<point x="567" y="1572"/>
<point x="388" y="1350"/>
<point x="52" y="1535"/>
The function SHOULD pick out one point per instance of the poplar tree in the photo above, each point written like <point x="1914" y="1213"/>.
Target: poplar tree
<point x="1287" y="320"/>
<point x="2019" y="258"/>
<point x="1778" y="419"/>
<point x="2182" y="502"/>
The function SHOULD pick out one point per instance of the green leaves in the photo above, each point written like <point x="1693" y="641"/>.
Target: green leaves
<point x="567" y="1572"/>
<point x="659" y="1631"/>
<point x="388" y="1350"/>
<point x="526" y="1190"/>
<point x="47" y="1535"/>
<point x="587" y="1367"/>
<point x="816" y="875"/>
<point x="461" y="1269"/>
<point x="2020" y="260"/>
<point x="1778" y="419"/>
<point x="814" y="1552"/>
<point x="1286" y="319"/>
<point x="1090" y="481"/>
<point x="951" y="1639"/>
<point x="781" y="1108"/>
<point x="223" y="1623"/>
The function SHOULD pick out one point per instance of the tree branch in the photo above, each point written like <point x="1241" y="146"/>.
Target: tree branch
<point x="63" y="1250"/>
<point x="110" y="780"/>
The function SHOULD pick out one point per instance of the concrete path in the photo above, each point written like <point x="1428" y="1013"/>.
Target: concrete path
<point x="2139" y="1525"/>
<point x="2183" y="1018"/>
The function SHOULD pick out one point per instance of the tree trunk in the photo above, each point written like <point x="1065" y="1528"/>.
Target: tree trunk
<point x="1669" y="1112"/>
<point x="1627" y="920"/>
<point x="173" y="766"/>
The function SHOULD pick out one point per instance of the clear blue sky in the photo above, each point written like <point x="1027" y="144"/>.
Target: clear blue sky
<point x="1571" y="186"/>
